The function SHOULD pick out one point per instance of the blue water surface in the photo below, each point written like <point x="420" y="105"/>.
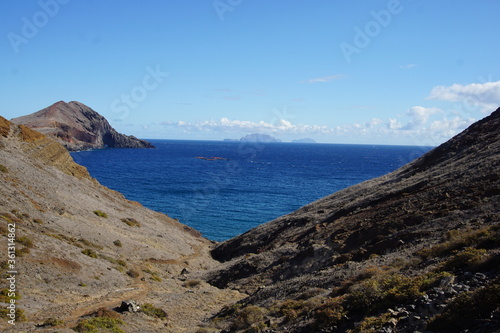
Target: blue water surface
<point x="251" y="184"/>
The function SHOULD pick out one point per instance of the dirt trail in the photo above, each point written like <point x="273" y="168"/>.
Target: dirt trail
<point x="137" y="290"/>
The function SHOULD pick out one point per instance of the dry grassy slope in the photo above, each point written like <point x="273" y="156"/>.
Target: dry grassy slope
<point x="52" y="201"/>
<point x="383" y="220"/>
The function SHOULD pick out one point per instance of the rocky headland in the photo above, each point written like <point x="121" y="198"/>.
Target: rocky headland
<point x="78" y="127"/>
<point x="417" y="250"/>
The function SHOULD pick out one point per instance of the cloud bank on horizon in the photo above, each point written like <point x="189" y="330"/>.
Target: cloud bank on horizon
<point x="415" y="124"/>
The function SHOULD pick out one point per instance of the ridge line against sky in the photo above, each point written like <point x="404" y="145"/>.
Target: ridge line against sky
<point x="381" y="71"/>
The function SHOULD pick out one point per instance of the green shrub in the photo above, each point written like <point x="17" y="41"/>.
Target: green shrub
<point x="4" y="296"/>
<point x="94" y="324"/>
<point x="152" y="311"/>
<point x="330" y="313"/>
<point x="3" y="169"/>
<point x="100" y="214"/>
<point x="292" y="309"/>
<point x="25" y="241"/>
<point x="155" y="277"/>
<point x="117" y="243"/>
<point x="130" y="222"/>
<point x="89" y="252"/>
<point x="468" y="258"/>
<point x="51" y="322"/>
<point x="381" y="291"/>
<point x="487" y="237"/>
<point x="249" y="316"/>
<point x="372" y="324"/>
<point x="103" y="312"/>
<point x="89" y="243"/>
<point x="20" y="316"/>
<point x="22" y="252"/>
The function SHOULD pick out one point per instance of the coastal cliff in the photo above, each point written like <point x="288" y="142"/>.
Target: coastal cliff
<point x="78" y="127"/>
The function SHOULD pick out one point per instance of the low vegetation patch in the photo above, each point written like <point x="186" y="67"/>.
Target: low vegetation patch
<point x="91" y="253"/>
<point x="3" y="169"/>
<point x="9" y="218"/>
<point x="487" y="238"/>
<point x="25" y="241"/>
<point x="107" y="313"/>
<point x="4" y="296"/>
<point x="100" y="214"/>
<point x="117" y="243"/>
<point x="96" y="324"/>
<point x="468" y="258"/>
<point x="52" y="322"/>
<point x="20" y="316"/>
<point x="152" y="311"/>
<point x="250" y="317"/>
<point x="156" y="278"/>
<point x="118" y="262"/>
<point x="131" y="222"/>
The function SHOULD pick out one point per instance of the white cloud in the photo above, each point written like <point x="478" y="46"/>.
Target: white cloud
<point x="408" y="66"/>
<point x="486" y="96"/>
<point x="420" y="115"/>
<point x="324" y="79"/>
<point x="415" y="127"/>
<point x="280" y="126"/>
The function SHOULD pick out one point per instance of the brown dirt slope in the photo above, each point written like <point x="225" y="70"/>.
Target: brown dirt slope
<point x="78" y="127"/>
<point x="81" y="246"/>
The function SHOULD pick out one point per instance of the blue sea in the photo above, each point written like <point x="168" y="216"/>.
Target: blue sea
<point x="225" y="188"/>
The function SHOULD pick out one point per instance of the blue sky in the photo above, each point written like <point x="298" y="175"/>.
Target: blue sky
<point x="383" y="72"/>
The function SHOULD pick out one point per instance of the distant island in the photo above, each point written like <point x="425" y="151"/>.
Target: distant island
<point x="259" y="138"/>
<point x="306" y="140"/>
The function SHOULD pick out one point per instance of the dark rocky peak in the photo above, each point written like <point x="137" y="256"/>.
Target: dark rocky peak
<point x="78" y="127"/>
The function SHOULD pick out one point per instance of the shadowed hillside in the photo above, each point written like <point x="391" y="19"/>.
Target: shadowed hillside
<point x="326" y="266"/>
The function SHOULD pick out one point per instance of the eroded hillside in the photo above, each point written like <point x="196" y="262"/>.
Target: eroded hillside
<point x="81" y="248"/>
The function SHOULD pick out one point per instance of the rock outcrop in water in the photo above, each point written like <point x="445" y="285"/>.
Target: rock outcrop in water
<point x="78" y="127"/>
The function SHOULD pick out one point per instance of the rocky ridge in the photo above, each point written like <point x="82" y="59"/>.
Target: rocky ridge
<point x="78" y="127"/>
